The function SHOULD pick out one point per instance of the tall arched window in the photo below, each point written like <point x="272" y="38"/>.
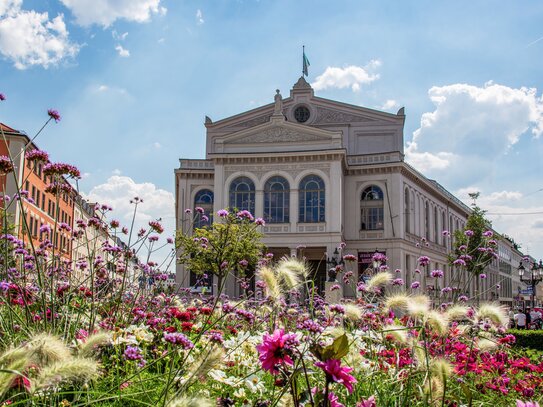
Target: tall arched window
<point x="312" y="200"/>
<point x="204" y="200"/>
<point x="407" y="217"/>
<point x="242" y="194"/>
<point x="276" y="200"/>
<point x="371" y="208"/>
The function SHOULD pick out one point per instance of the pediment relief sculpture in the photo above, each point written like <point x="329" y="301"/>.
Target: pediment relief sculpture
<point x="325" y="115"/>
<point x="278" y="135"/>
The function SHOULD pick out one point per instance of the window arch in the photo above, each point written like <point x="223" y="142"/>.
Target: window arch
<point x="277" y="200"/>
<point x="204" y="200"/>
<point x="372" y="208"/>
<point x="407" y="217"/>
<point x="242" y="194"/>
<point x="312" y="199"/>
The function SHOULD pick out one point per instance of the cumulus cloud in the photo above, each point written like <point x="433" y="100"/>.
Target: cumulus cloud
<point x="106" y="12"/>
<point x="473" y="126"/>
<point x="157" y="203"/>
<point x="199" y="17"/>
<point x="122" y="51"/>
<point x="29" y="38"/>
<point x="349" y="77"/>
<point x="389" y="104"/>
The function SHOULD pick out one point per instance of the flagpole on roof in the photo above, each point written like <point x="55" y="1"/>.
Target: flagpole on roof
<point x="303" y="60"/>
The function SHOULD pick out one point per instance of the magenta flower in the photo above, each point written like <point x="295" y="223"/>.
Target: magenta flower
<point x="397" y="281"/>
<point x="37" y="155"/>
<point x="367" y="402"/>
<point x="469" y="233"/>
<point x="437" y="273"/>
<point x="199" y="210"/>
<point x="415" y="285"/>
<point x="379" y="257"/>
<point x="482" y="276"/>
<point x="260" y="221"/>
<point x="337" y="373"/>
<point x="423" y="260"/>
<point x="276" y="350"/>
<point x="488" y="233"/>
<point x="223" y="213"/>
<point x="463" y="298"/>
<point x="54" y="114"/>
<point x="349" y="257"/>
<point x="459" y="262"/>
<point x="527" y="403"/>
<point x="2" y="97"/>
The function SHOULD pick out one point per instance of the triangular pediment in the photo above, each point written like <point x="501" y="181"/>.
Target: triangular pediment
<point x="278" y="135"/>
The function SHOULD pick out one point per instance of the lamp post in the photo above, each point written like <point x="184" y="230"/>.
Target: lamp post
<point x="333" y="263"/>
<point x="533" y="278"/>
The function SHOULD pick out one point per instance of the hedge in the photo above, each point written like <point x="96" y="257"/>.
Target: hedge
<point x="528" y="338"/>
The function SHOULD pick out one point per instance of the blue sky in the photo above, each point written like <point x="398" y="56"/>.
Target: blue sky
<point x="134" y="79"/>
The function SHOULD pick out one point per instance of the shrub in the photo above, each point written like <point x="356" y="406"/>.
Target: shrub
<point x="528" y="338"/>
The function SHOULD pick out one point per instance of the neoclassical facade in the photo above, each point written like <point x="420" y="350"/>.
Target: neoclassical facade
<point x="321" y="172"/>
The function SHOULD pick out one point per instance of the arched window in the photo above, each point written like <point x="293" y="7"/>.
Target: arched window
<point x="242" y="194"/>
<point x="371" y="209"/>
<point x="204" y="200"/>
<point x="312" y="200"/>
<point x="443" y="228"/>
<point x="407" y="217"/>
<point x="277" y="200"/>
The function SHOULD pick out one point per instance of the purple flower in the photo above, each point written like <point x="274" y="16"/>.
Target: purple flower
<point x="177" y="338"/>
<point x="446" y="290"/>
<point x="482" y="276"/>
<point x="463" y="298"/>
<point x="415" y="285"/>
<point x="205" y="218"/>
<point x="379" y="258"/>
<point x="133" y="353"/>
<point x="397" y="281"/>
<point x="468" y="233"/>
<point x="199" y="210"/>
<point x="437" y="273"/>
<point x="243" y="263"/>
<point x="223" y="213"/>
<point x="488" y="233"/>
<point x="423" y="260"/>
<point x="459" y="262"/>
<point x="335" y="287"/>
<point x="244" y="215"/>
<point x="260" y="221"/>
<point x="446" y="233"/>
<point x="188" y="211"/>
<point x="54" y="114"/>
<point x="2" y="97"/>
<point x="349" y="257"/>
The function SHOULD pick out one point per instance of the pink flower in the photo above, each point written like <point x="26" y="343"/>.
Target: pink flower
<point x="276" y="350"/>
<point x="260" y="221"/>
<point x="2" y="97"/>
<point x="54" y="114"/>
<point x="367" y="403"/>
<point x="337" y="373"/>
<point x="527" y="403"/>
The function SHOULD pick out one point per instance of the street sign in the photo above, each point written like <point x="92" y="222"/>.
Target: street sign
<point x="527" y="291"/>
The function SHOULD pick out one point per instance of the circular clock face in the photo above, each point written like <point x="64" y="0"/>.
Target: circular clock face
<point x="301" y="114"/>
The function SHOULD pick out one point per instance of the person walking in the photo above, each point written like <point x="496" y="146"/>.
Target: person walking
<point x="520" y="319"/>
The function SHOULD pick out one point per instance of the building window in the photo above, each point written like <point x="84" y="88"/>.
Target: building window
<point x="312" y="200"/>
<point x="242" y="194"/>
<point x="407" y="205"/>
<point x="427" y="221"/>
<point x="277" y="200"/>
<point x="443" y="227"/>
<point x="372" y="209"/>
<point x="204" y="200"/>
<point x="436" y="226"/>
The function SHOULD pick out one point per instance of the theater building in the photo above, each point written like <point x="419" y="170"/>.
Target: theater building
<point x="322" y="172"/>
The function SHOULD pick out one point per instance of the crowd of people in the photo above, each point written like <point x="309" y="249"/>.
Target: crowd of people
<point x="525" y="319"/>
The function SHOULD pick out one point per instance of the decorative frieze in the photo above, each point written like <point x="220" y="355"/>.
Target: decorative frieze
<point x="325" y="116"/>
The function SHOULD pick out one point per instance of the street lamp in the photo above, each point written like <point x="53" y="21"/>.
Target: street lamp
<point x="335" y="263"/>
<point x="534" y="277"/>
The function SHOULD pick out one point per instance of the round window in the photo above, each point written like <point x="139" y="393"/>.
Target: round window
<point x="301" y="114"/>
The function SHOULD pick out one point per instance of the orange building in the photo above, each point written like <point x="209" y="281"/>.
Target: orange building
<point x="37" y="207"/>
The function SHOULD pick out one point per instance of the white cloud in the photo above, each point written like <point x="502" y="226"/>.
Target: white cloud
<point x="122" y="52"/>
<point x="157" y="145"/>
<point x="28" y="38"/>
<point x="471" y="127"/>
<point x="119" y="37"/>
<point x="157" y="203"/>
<point x="199" y="17"/>
<point x="349" y="77"/>
<point x="116" y="171"/>
<point x="106" y="12"/>
<point x="389" y="104"/>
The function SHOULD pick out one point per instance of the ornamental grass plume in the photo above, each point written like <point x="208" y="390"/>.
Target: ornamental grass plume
<point x="353" y="312"/>
<point x="497" y="314"/>
<point x="379" y="280"/>
<point x="397" y="332"/>
<point x="397" y="301"/>
<point x="418" y="305"/>
<point x="72" y="370"/>
<point x="12" y="361"/>
<point x="273" y="286"/>
<point x="441" y="369"/>
<point x="289" y="272"/>
<point x="93" y="343"/>
<point x="437" y="321"/>
<point x="299" y="266"/>
<point x="48" y="349"/>
<point x="205" y="362"/>
<point x="457" y="311"/>
<point x="190" y="402"/>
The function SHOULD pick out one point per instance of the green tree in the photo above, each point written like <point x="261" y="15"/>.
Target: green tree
<point x="230" y="246"/>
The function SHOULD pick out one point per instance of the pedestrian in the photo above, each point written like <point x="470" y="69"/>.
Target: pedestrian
<point x="520" y="319"/>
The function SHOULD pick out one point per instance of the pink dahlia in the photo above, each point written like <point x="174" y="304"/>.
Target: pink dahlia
<point x="337" y="373"/>
<point x="276" y="350"/>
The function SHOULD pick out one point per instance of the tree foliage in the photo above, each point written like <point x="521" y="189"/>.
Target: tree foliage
<point x="230" y="246"/>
